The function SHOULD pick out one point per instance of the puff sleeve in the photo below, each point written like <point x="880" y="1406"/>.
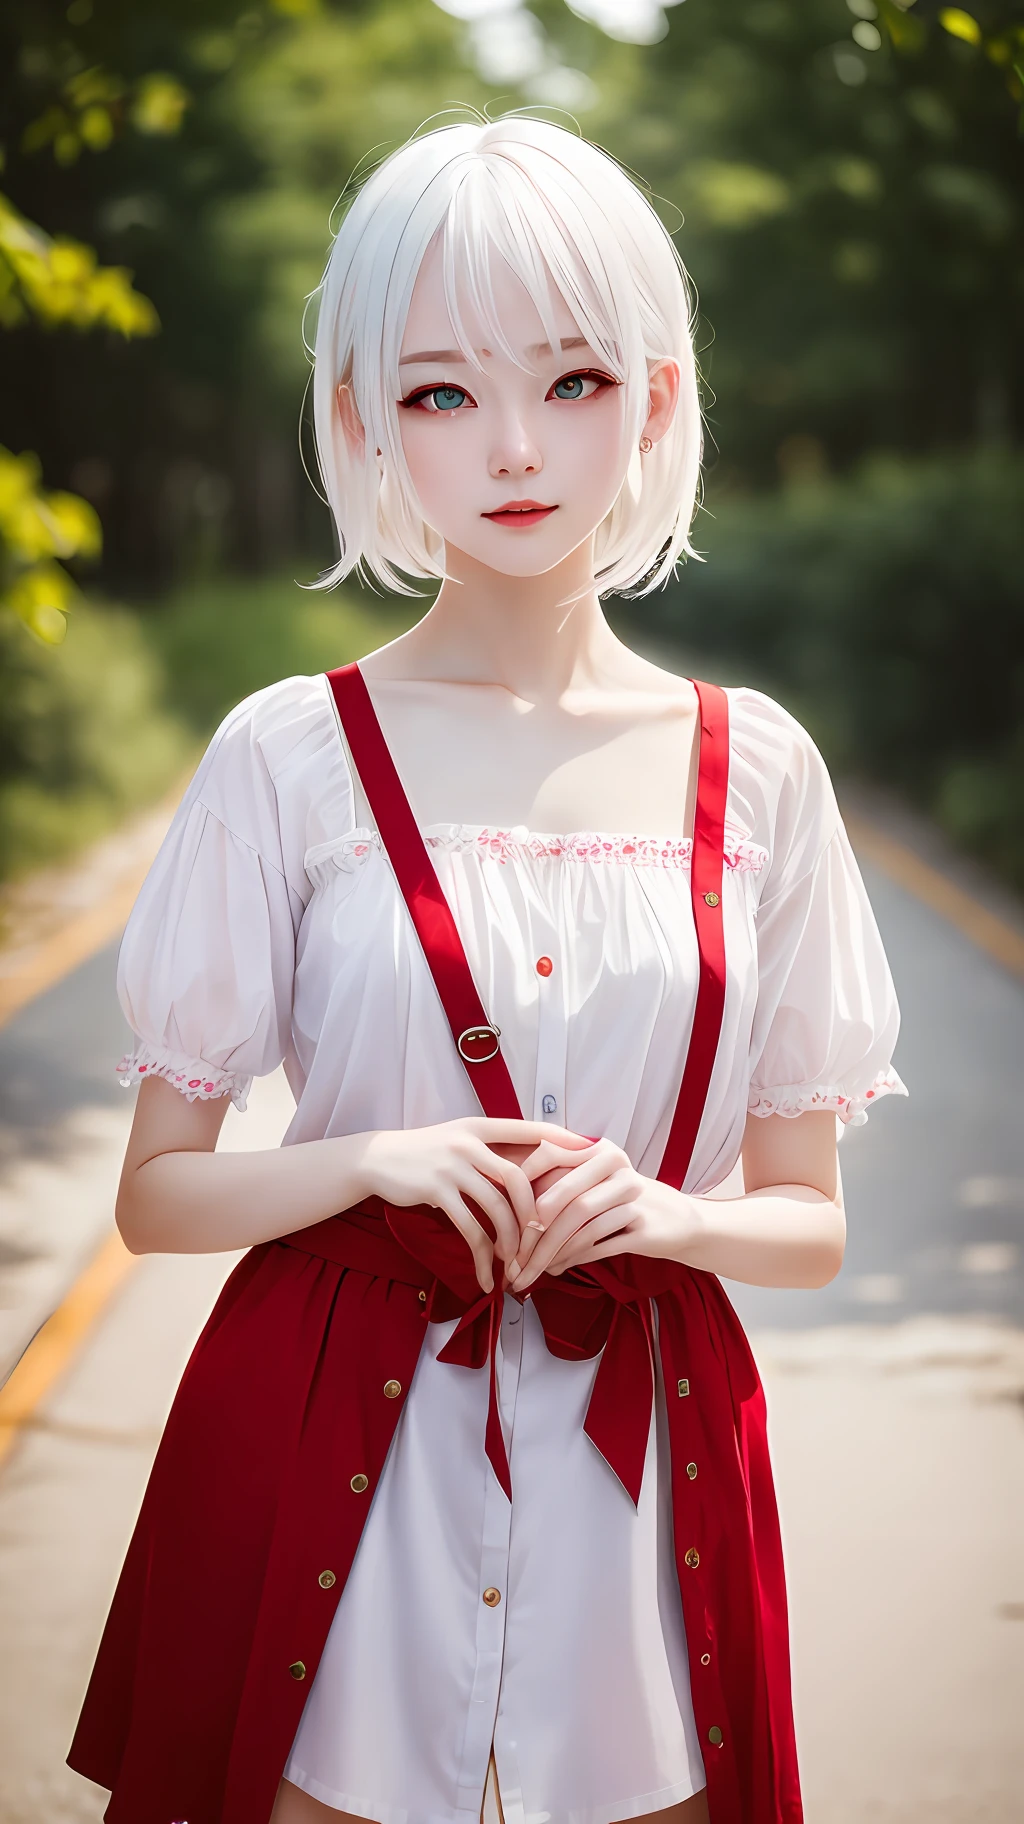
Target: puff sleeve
<point x="207" y="960"/>
<point x="827" y="1018"/>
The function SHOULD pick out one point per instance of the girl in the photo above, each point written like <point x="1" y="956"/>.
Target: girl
<point x="464" y="1500"/>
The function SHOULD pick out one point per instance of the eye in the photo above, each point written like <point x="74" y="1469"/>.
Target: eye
<point x="438" y="399"/>
<point x="580" y="386"/>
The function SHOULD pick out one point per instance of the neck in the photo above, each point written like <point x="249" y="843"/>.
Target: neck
<point x="536" y="636"/>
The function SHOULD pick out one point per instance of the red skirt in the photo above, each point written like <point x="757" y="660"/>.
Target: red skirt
<point x="276" y="1441"/>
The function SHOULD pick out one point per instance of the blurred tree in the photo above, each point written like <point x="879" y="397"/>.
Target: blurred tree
<point x="852" y="217"/>
<point x="76" y="81"/>
<point x="54" y="283"/>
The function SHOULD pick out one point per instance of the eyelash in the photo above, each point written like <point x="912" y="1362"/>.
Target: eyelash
<point x="414" y="401"/>
<point x="583" y="373"/>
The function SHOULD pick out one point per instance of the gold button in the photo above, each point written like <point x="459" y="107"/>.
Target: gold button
<point x="691" y="1470"/>
<point x="711" y="899"/>
<point x="327" y="1580"/>
<point x="298" y="1670"/>
<point x="422" y="1297"/>
<point x="682" y="1388"/>
<point x="705" y="1659"/>
<point x="359" y="1484"/>
<point x="715" y="1736"/>
<point x="392" y="1389"/>
<point x="492" y="1597"/>
<point x="692" y="1558"/>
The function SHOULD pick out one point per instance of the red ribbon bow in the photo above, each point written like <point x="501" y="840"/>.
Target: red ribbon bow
<point x="605" y="1307"/>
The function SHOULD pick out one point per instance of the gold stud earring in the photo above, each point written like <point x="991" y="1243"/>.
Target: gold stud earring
<point x="646" y="446"/>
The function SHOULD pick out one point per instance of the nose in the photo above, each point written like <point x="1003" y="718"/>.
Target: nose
<point x="514" y="451"/>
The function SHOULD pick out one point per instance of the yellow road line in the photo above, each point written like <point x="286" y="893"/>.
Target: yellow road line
<point x="74" y="943"/>
<point x="52" y="1349"/>
<point x="986" y="929"/>
<point x="80" y="937"/>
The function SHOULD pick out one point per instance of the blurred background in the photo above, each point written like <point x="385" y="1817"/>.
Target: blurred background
<point x="843" y="178"/>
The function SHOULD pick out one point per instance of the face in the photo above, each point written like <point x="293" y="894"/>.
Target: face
<point x="514" y="466"/>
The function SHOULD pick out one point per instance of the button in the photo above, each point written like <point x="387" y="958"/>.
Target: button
<point x="691" y="1470"/>
<point x="392" y="1389"/>
<point x="422" y="1297"/>
<point x="682" y="1388"/>
<point x="544" y="965"/>
<point x="711" y="899"/>
<point x="705" y="1659"/>
<point x="327" y="1580"/>
<point x="359" y="1484"/>
<point x="715" y="1736"/>
<point x="692" y="1558"/>
<point x="492" y="1597"/>
<point x="549" y="1105"/>
<point x="298" y="1670"/>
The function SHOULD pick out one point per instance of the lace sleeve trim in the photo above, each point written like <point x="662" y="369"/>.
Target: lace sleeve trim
<point x="197" y="1081"/>
<point x="791" y="1099"/>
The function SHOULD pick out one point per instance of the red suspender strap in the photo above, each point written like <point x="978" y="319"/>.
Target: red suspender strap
<point x="476" y="1039"/>
<point x="706" y="870"/>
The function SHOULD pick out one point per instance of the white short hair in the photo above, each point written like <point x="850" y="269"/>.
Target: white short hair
<point x="562" y="213"/>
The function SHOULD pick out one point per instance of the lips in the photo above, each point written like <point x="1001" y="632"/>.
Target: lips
<point x="520" y="513"/>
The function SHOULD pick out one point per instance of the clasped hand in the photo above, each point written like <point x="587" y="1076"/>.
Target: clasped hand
<point x="555" y="1199"/>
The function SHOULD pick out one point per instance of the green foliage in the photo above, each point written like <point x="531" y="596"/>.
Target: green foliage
<point x="886" y="611"/>
<point x="852" y="218"/>
<point x="83" y="735"/>
<point x="60" y="283"/>
<point x="37" y="529"/>
<point x="111" y="720"/>
<point x="218" y="641"/>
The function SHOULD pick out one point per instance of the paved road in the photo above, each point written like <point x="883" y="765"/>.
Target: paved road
<point x="896" y="1399"/>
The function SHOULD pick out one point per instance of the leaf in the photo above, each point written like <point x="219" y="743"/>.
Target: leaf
<point x="905" y="32"/>
<point x="960" y="24"/>
<point x="59" y="282"/>
<point x="159" y="104"/>
<point x="41" y="597"/>
<point x="96" y="127"/>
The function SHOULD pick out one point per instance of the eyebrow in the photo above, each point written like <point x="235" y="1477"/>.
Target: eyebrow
<point x="442" y="357"/>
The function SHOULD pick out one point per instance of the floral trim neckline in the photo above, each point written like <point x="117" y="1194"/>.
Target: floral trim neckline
<point x="519" y="844"/>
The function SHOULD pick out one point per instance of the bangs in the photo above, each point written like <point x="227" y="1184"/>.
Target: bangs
<point x="498" y="213"/>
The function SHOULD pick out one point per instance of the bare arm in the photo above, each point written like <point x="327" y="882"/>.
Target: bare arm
<point x="179" y="1196"/>
<point x="788" y="1229"/>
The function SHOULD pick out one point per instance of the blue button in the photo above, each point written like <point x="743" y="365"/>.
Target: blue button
<point x="549" y="1105"/>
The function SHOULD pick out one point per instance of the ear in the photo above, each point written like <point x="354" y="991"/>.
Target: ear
<point x="663" y="380"/>
<point x="351" y="423"/>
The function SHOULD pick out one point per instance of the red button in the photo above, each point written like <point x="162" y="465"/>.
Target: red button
<point x="544" y="965"/>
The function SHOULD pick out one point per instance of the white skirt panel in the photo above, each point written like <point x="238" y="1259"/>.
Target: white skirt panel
<point x="577" y="1676"/>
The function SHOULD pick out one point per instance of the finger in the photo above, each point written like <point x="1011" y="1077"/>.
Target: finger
<point x="580" y="1246"/>
<point x="528" y="1239"/>
<point x="517" y="1186"/>
<point x="526" y="1133"/>
<point x="622" y="1242"/>
<point x="619" y="1190"/>
<point x="472" y="1183"/>
<point x="550" y="1157"/>
<point x="595" y="1170"/>
<point x="480" y="1244"/>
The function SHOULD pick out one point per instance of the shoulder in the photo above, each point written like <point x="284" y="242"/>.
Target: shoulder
<point x="275" y="772"/>
<point x="779" y="784"/>
<point x="278" y="727"/>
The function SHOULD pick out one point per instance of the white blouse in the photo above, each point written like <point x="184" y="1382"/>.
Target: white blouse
<point x="271" y="929"/>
